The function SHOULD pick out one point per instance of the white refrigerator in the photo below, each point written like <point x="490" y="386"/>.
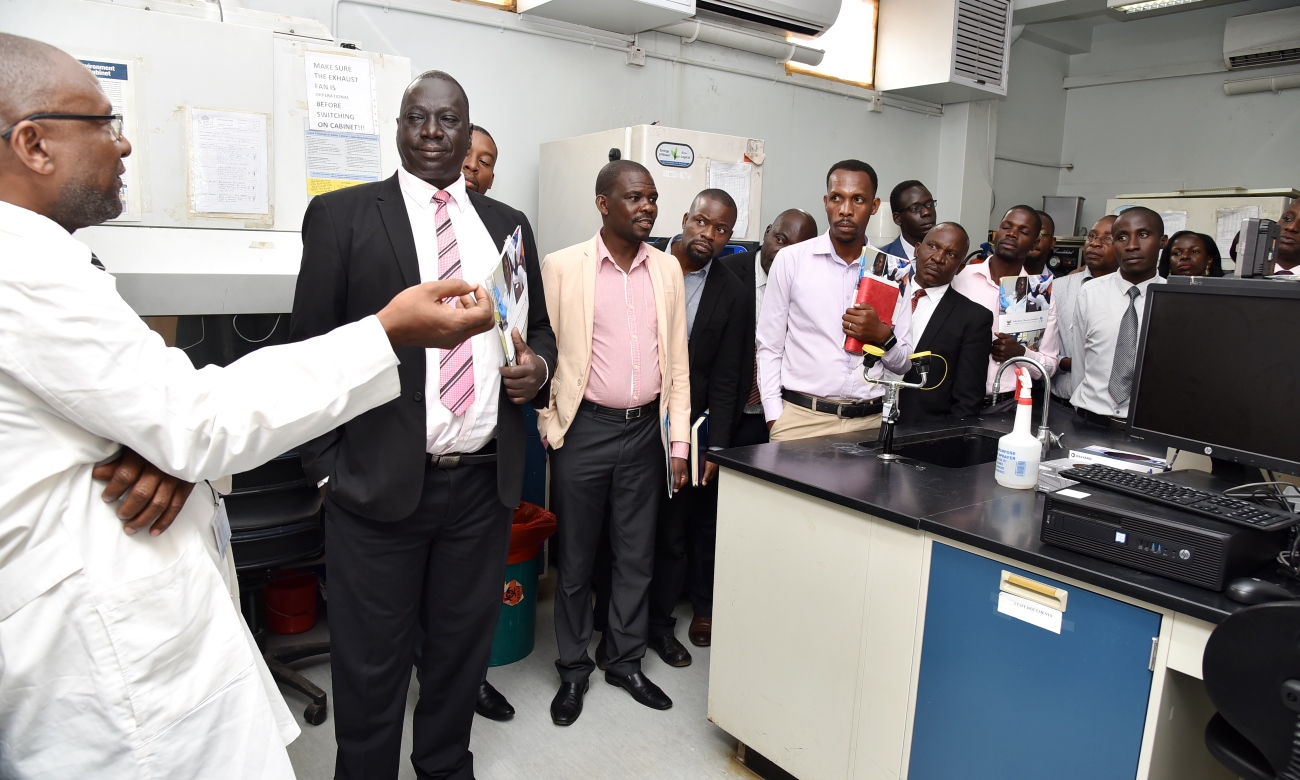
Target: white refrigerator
<point x="682" y="162"/>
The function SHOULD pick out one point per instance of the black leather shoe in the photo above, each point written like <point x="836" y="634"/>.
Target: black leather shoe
<point x="602" y="659"/>
<point x="567" y="704"/>
<point x="645" y="692"/>
<point x="670" y="650"/>
<point x="491" y="704"/>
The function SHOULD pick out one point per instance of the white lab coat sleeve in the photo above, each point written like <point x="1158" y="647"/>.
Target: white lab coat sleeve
<point x="71" y="339"/>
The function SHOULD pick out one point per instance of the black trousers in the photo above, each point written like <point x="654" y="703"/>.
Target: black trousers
<point x="615" y="465"/>
<point x="750" y="429"/>
<point x="684" y="551"/>
<point x="442" y="569"/>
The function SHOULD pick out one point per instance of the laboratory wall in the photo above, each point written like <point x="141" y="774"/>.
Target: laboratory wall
<point x="528" y="89"/>
<point x="1030" y="128"/>
<point x="1164" y="134"/>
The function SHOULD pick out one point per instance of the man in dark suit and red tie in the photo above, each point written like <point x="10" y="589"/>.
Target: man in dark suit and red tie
<point x="951" y="326"/>
<point x="419" y="491"/>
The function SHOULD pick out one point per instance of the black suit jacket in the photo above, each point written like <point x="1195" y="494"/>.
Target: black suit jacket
<point x="716" y="346"/>
<point x="742" y="265"/>
<point x="358" y="252"/>
<point x="959" y="330"/>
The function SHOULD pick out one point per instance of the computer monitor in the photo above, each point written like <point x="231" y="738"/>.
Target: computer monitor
<point x="1218" y="370"/>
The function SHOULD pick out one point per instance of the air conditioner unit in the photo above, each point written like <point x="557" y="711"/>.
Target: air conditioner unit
<point x="944" y="51"/>
<point x="621" y="16"/>
<point x="804" y="17"/>
<point x="1262" y="40"/>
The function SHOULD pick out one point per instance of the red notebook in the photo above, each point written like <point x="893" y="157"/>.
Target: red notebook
<point x="883" y="297"/>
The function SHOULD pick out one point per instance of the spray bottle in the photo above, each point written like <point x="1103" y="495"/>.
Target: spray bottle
<point x="1019" y="451"/>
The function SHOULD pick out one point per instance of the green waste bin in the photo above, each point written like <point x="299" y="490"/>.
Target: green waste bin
<point x="517" y="625"/>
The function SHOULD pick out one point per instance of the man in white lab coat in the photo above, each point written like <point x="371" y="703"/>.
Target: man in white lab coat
<point x="123" y="655"/>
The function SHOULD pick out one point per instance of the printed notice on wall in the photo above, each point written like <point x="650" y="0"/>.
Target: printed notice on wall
<point x="228" y="162"/>
<point x="1227" y="223"/>
<point x="338" y="160"/>
<point x="340" y="94"/>
<point x="115" y="78"/>
<point x="733" y="178"/>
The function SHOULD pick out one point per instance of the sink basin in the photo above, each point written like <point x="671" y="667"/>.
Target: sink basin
<point x="954" y="448"/>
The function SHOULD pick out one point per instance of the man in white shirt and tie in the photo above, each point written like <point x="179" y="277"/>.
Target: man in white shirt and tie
<point x="1108" y="314"/>
<point x="1098" y="261"/>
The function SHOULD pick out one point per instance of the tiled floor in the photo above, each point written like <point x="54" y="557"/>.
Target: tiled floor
<point x="614" y="738"/>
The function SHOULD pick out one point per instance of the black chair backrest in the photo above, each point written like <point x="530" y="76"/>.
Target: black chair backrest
<point x="1251" y="669"/>
<point x="274" y="514"/>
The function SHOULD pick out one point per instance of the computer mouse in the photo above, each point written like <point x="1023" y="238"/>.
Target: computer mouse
<point x="1253" y="590"/>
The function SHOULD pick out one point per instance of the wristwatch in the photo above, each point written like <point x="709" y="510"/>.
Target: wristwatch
<point x="889" y="342"/>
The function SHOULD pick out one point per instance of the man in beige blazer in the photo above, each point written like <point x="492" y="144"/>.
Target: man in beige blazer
<point x="618" y="420"/>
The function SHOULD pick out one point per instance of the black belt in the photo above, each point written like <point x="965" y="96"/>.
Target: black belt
<point x="847" y="410"/>
<point x="1056" y="399"/>
<point x="1104" y="420"/>
<point x="635" y="413"/>
<point x="993" y="399"/>
<point x="454" y="461"/>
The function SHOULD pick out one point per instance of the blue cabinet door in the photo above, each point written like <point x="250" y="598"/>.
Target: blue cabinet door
<point x="1002" y="699"/>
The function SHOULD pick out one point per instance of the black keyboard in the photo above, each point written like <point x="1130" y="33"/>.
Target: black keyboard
<point x="1201" y="502"/>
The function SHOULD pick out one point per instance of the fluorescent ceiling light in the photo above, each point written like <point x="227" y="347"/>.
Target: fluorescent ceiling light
<point x="1151" y="5"/>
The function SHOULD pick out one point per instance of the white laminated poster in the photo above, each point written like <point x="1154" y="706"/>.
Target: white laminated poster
<point x="340" y="94"/>
<point x="229" y="163"/>
<point x="116" y="78"/>
<point x="734" y="179"/>
<point x="1175" y="221"/>
<point x="1227" y="223"/>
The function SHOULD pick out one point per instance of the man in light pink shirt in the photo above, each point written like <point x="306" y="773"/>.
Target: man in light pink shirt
<point x="620" y="403"/>
<point x="1015" y="238"/>
<point x="810" y="385"/>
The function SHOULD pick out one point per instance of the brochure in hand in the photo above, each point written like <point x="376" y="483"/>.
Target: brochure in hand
<point x="880" y="281"/>
<point x="1023" y="304"/>
<point x="508" y="288"/>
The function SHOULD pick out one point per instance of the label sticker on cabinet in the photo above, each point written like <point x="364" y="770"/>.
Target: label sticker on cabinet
<point x="1068" y="493"/>
<point x="674" y="155"/>
<point x="1030" y="611"/>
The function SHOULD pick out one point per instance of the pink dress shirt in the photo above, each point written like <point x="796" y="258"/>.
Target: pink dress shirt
<point x="625" y="337"/>
<point x="974" y="283"/>
<point x="800" y="335"/>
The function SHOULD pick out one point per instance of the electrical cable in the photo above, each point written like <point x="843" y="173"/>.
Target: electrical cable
<point x="234" y="323"/>
<point x="203" y="333"/>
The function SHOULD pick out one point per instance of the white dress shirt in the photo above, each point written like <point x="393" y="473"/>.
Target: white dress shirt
<point x="124" y="657"/>
<point x="760" y="287"/>
<point x="1065" y="291"/>
<point x="974" y="283"/>
<point x="909" y="250"/>
<point x="924" y="307"/>
<point x="446" y="433"/>
<point x="1098" y="312"/>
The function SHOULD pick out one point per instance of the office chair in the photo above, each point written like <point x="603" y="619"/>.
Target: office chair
<point x="275" y="522"/>
<point x="1251" y="669"/>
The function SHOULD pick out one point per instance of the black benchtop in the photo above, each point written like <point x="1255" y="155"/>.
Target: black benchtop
<point x="966" y="505"/>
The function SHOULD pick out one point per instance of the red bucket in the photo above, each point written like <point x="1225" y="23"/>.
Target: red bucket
<point x="291" y="602"/>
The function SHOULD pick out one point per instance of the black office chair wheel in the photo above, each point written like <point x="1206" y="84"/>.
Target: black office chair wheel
<point x="315" y="714"/>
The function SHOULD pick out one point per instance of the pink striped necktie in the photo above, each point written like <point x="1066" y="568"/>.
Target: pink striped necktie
<point x="455" y="365"/>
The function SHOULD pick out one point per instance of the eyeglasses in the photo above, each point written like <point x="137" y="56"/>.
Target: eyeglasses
<point x="916" y="209"/>
<point x="114" y="122"/>
<point x="1093" y="238"/>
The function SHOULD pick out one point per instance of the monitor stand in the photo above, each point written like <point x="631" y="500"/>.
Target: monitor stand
<point x="1225" y="474"/>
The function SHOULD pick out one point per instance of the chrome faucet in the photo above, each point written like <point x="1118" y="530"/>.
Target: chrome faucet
<point x="1046" y="438"/>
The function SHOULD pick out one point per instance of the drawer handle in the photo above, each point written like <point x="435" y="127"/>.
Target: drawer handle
<point x="1037" y="592"/>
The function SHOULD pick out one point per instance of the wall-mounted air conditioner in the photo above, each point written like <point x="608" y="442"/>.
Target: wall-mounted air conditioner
<point x="1262" y="40"/>
<point x="804" y="17"/>
<point x="621" y="16"/>
<point x="944" y="51"/>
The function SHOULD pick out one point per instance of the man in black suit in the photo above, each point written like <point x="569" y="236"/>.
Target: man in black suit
<point x="419" y="491"/>
<point x="715" y="328"/>
<point x="948" y="324"/>
<point x="790" y="227"/>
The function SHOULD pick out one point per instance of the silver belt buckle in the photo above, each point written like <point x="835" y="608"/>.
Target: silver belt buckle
<point x="632" y="414"/>
<point x="447" y="462"/>
<point x="839" y="410"/>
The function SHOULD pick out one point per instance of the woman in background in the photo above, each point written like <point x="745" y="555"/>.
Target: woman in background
<point x="1190" y="254"/>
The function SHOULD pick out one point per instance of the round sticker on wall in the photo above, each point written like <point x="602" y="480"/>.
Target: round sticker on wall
<point x="674" y="155"/>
